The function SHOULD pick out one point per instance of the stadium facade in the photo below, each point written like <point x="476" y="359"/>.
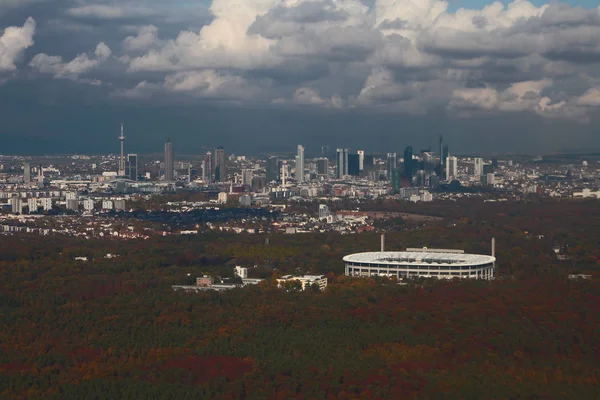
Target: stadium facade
<point x="426" y="263"/>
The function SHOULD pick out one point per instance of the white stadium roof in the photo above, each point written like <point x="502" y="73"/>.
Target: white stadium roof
<point x="424" y="257"/>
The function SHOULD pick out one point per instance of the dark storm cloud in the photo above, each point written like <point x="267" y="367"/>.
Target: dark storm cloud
<point x="281" y="21"/>
<point x="354" y="65"/>
<point x="293" y="71"/>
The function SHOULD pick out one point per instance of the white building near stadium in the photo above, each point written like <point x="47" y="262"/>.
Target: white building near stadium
<point x="426" y="263"/>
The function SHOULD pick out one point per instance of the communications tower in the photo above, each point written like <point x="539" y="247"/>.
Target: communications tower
<point x="122" y="157"/>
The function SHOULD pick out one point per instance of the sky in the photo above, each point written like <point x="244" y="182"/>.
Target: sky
<point x="259" y="76"/>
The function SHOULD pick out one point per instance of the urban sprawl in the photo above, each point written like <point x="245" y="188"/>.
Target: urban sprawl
<point x="227" y="192"/>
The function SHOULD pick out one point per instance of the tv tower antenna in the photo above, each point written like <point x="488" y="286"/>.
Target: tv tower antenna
<point x="122" y="158"/>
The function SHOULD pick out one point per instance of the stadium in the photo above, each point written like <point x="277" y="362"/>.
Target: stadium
<point x="426" y="263"/>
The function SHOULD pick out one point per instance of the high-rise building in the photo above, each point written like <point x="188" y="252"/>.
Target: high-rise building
<point x="451" y="167"/>
<point x="368" y="162"/>
<point x="408" y="163"/>
<point x="27" y="173"/>
<point x="207" y="168"/>
<point x="300" y="164"/>
<point x="46" y="203"/>
<point x="478" y="166"/>
<point x="392" y="164"/>
<point x="32" y="205"/>
<point x="353" y="164"/>
<point x="258" y="183"/>
<point x="247" y="175"/>
<point x="324" y="211"/>
<point x="88" y="205"/>
<point x="40" y="177"/>
<point x="132" y="167"/>
<point x="120" y="204"/>
<point x="361" y="159"/>
<point x="272" y="169"/>
<point x="444" y="155"/>
<point x="342" y="163"/>
<point x="419" y="180"/>
<point x="396" y="179"/>
<point x="428" y="166"/>
<point x="169" y="175"/>
<point x="322" y="166"/>
<point x="220" y="165"/>
<point x="284" y="172"/>
<point x="72" y="204"/>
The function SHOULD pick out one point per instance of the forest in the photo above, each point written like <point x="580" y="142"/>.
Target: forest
<point x="112" y="328"/>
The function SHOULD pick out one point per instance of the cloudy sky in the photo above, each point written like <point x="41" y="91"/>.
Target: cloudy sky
<point x="265" y="75"/>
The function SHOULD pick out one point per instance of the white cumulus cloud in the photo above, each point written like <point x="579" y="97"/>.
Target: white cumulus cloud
<point x="13" y="42"/>
<point x="80" y="65"/>
<point x="410" y="56"/>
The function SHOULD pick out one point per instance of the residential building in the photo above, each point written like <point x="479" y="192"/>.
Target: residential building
<point x="88" y="205"/>
<point x="32" y="205"/>
<point x="205" y="281"/>
<point x="46" y="203"/>
<point x="305" y="281"/>
<point x="242" y="272"/>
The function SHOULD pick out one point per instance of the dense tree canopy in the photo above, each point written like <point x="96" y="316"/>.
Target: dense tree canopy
<point x="113" y="328"/>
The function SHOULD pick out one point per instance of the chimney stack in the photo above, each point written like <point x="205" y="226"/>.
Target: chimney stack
<point x="383" y="242"/>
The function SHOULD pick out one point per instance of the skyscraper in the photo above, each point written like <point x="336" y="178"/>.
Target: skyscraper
<point x="247" y="175"/>
<point x="408" y="163"/>
<point x="428" y="166"/>
<point x="220" y="165"/>
<point x="300" y="164"/>
<point x="392" y="164"/>
<point x="27" y="173"/>
<point x="396" y="180"/>
<point x="478" y="166"/>
<point x="207" y="168"/>
<point x="368" y="162"/>
<point x="342" y="163"/>
<point x="420" y="178"/>
<point x="323" y="166"/>
<point x="444" y="155"/>
<point x="169" y="161"/>
<point x="132" y="167"/>
<point x="361" y="159"/>
<point x="451" y="167"/>
<point x="353" y="164"/>
<point x="272" y="170"/>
